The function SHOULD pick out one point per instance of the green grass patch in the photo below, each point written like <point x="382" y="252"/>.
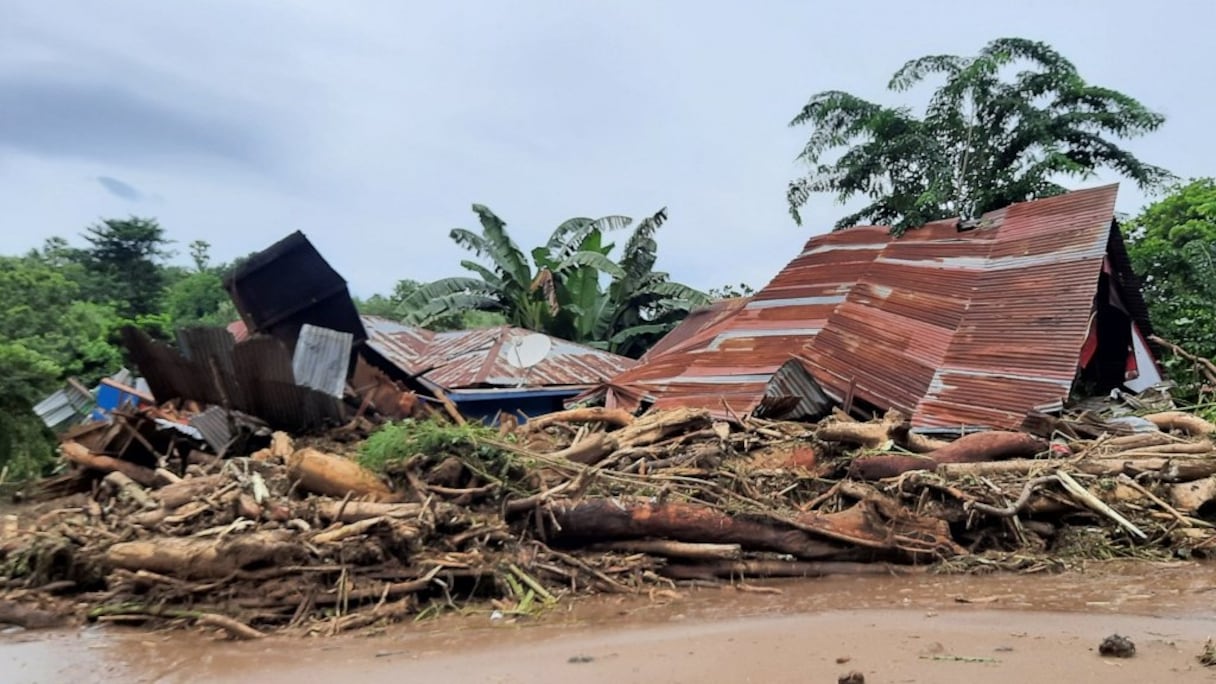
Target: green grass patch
<point x="398" y="442"/>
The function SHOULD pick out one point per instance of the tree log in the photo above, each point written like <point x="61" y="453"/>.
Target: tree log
<point x="1178" y="420"/>
<point x="322" y="473"/>
<point x="990" y="446"/>
<point x="894" y="427"/>
<point x="974" y="448"/>
<point x="618" y="418"/>
<point x="123" y="486"/>
<point x="778" y="568"/>
<point x="675" y="549"/>
<point x="81" y="456"/>
<point x="193" y="557"/>
<point x="597" y="520"/>
<point x="28" y="616"/>
<point x="1189" y="497"/>
<point x="658" y="426"/>
<point x="165" y="477"/>
<point x="590" y="450"/>
<point x="354" y="511"/>
<point x="1146" y="439"/>
<point x="1019" y="466"/>
<point x="181" y="493"/>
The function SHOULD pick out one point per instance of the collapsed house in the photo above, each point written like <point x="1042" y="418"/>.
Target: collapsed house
<point x="302" y="358"/>
<point x="958" y="324"/>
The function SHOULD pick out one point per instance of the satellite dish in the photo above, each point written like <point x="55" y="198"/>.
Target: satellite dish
<point x="528" y="350"/>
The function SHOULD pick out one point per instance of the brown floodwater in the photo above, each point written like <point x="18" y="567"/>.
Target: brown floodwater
<point x="925" y="628"/>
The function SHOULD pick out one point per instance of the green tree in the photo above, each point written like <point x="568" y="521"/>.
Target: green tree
<point x="561" y="290"/>
<point x="1172" y="245"/>
<point x="125" y="258"/>
<point x="1005" y="126"/>
<point x="198" y="299"/>
<point x="50" y="333"/>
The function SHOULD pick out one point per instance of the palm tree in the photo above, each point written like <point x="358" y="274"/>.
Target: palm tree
<point x="988" y="138"/>
<point x="561" y="290"/>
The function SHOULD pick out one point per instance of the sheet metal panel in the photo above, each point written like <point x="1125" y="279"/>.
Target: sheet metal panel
<point x="322" y="359"/>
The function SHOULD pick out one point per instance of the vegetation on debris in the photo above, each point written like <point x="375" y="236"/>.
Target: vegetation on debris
<point x="560" y="288"/>
<point x="393" y="444"/>
<point x="1005" y="126"/>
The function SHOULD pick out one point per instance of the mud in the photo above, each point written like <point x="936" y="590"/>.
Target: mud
<point x="997" y="628"/>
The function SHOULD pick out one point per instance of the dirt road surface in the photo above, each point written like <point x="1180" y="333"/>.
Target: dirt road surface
<point x="925" y="629"/>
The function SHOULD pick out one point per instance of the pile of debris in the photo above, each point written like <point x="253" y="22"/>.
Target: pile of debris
<point x="317" y="535"/>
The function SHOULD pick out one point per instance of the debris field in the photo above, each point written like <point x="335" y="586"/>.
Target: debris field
<point x="357" y="527"/>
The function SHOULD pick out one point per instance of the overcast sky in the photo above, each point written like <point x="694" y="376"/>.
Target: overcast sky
<point x="372" y="126"/>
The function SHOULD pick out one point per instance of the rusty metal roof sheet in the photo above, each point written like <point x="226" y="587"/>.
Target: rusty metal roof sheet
<point x="475" y="358"/>
<point x="955" y="327"/>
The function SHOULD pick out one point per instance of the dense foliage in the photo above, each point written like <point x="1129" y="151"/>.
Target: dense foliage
<point x="61" y="308"/>
<point x="1004" y="126"/>
<point x="571" y="287"/>
<point x="1172" y="244"/>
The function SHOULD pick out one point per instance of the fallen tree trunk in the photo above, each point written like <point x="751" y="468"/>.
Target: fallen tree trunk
<point x="81" y="456"/>
<point x="974" y="448"/>
<point x="322" y="473"/>
<point x="894" y="427"/>
<point x="618" y="418"/>
<point x="29" y="616"/>
<point x="354" y="511"/>
<point x="1189" y="497"/>
<point x="655" y="427"/>
<point x="597" y="520"/>
<point x="125" y="487"/>
<point x="180" y="493"/>
<point x="1147" y="439"/>
<point x="675" y="549"/>
<point x="778" y="568"/>
<point x="1020" y="466"/>
<point x="990" y="446"/>
<point x="590" y="450"/>
<point x="1177" y="420"/>
<point x="191" y="557"/>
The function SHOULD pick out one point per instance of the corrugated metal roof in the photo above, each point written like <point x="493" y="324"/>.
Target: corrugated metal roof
<point x="322" y="359"/>
<point x="254" y="376"/>
<point x="971" y="327"/>
<point x="62" y="407"/>
<point x="476" y="358"/>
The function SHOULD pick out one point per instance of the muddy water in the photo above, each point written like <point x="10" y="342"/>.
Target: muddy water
<point x="997" y="628"/>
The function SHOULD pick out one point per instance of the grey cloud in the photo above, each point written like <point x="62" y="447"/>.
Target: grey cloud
<point x="120" y="189"/>
<point x="63" y="118"/>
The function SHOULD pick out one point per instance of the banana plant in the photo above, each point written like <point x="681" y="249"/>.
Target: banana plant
<point x="570" y="288"/>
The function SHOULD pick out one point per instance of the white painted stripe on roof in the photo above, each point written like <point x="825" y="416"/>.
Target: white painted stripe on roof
<point x="794" y="301"/>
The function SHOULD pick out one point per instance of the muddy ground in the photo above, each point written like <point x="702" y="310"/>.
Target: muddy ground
<point x="942" y="629"/>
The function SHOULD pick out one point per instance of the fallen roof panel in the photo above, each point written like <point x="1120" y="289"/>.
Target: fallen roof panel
<point x="956" y="327"/>
<point x="477" y="358"/>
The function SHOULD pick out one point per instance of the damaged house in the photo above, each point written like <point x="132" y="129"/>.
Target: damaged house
<point x="302" y="357"/>
<point x="956" y="324"/>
